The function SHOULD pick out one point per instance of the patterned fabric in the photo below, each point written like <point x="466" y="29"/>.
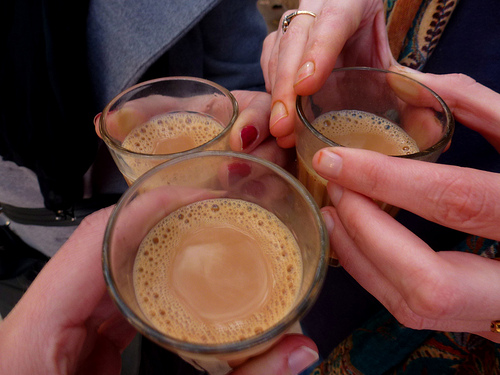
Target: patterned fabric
<point x="382" y="346"/>
<point x="414" y="28"/>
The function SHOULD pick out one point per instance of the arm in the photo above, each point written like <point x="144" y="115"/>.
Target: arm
<point x="423" y="289"/>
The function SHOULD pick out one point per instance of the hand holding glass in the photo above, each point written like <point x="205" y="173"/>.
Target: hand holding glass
<point x="158" y="120"/>
<point x="372" y="109"/>
<point x="206" y="256"/>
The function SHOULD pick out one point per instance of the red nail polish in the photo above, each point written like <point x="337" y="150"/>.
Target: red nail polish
<point x="248" y="136"/>
<point x="237" y="171"/>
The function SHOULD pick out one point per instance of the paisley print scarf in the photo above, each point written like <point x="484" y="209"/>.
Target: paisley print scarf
<point x="383" y="346"/>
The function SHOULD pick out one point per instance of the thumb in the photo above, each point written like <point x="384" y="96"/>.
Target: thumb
<point x="292" y="355"/>
<point x="472" y="104"/>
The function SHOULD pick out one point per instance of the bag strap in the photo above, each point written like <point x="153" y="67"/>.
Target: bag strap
<point x="60" y="218"/>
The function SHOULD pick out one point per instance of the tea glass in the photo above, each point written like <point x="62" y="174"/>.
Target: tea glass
<point x="152" y="99"/>
<point x="391" y="96"/>
<point x="192" y="178"/>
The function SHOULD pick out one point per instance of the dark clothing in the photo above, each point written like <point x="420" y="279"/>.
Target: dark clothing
<point x="47" y="109"/>
<point x="470" y="45"/>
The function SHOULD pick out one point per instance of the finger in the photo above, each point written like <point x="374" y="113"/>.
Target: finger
<point x="118" y="331"/>
<point x="433" y="286"/>
<point x="252" y="125"/>
<point x="366" y="273"/>
<point x="104" y="359"/>
<point x="290" y="356"/>
<point x="271" y="65"/>
<point x="290" y="47"/>
<point x="255" y="179"/>
<point x="492" y="336"/>
<point x="153" y="204"/>
<point x="460" y="198"/>
<point x="267" y="62"/>
<point x="270" y="151"/>
<point x="355" y="28"/>
<point x="118" y="123"/>
<point x="472" y="104"/>
<point x="286" y="141"/>
<point x="97" y="120"/>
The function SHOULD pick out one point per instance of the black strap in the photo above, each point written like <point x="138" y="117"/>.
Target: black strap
<point x="61" y="218"/>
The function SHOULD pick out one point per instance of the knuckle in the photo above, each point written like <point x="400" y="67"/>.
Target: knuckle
<point x="373" y="179"/>
<point x="407" y="317"/>
<point x="460" y="202"/>
<point x="434" y="297"/>
<point x="462" y="80"/>
<point x="334" y="14"/>
<point x="355" y="223"/>
<point x="293" y="33"/>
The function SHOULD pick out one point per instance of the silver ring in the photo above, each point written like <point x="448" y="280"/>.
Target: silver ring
<point x="288" y="19"/>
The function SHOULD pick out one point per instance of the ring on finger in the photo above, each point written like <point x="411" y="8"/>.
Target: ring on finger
<point x="288" y="19"/>
<point x="495" y="326"/>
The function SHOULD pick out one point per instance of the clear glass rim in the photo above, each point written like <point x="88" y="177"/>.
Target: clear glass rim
<point x="114" y="144"/>
<point x="281" y="327"/>
<point x="450" y="121"/>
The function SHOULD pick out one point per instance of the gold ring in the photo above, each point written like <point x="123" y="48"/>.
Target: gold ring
<point x="495" y="326"/>
<point x="332" y="262"/>
<point x="288" y="19"/>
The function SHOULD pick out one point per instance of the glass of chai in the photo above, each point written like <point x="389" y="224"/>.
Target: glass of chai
<point x="157" y="120"/>
<point x="372" y="109"/>
<point x="215" y="255"/>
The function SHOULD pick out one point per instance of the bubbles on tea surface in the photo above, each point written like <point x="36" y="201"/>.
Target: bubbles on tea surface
<point x="364" y="129"/>
<point x="169" y="312"/>
<point x="197" y="127"/>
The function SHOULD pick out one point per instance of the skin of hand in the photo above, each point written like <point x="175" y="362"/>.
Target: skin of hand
<point x="343" y="33"/>
<point x="448" y="290"/>
<point x="66" y="323"/>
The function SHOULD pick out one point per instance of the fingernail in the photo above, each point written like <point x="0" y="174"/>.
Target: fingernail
<point x="404" y="69"/>
<point x="248" y="136"/>
<point x="328" y="219"/>
<point x="335" y="192"/>
<point x="305" y="71"/>
<point x="301" y="358"/>
<point x="327" y="163"/>
<point x="405" y="87"/>
<point x="237" y="171"/>
<point x="277" y="113"/>
<point x="96" y="119"/>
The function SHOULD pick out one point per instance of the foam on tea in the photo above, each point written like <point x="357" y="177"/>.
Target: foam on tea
<point x="172" y="132"/>
<point x="358" y="129"/>
<point x="355" y="129"/>
<point x="217" y="271"/>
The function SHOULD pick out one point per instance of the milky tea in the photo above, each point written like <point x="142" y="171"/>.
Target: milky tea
<point x="217" y="271"/>
<point x="355" y="129"/>
<point x="168" y="134"/>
